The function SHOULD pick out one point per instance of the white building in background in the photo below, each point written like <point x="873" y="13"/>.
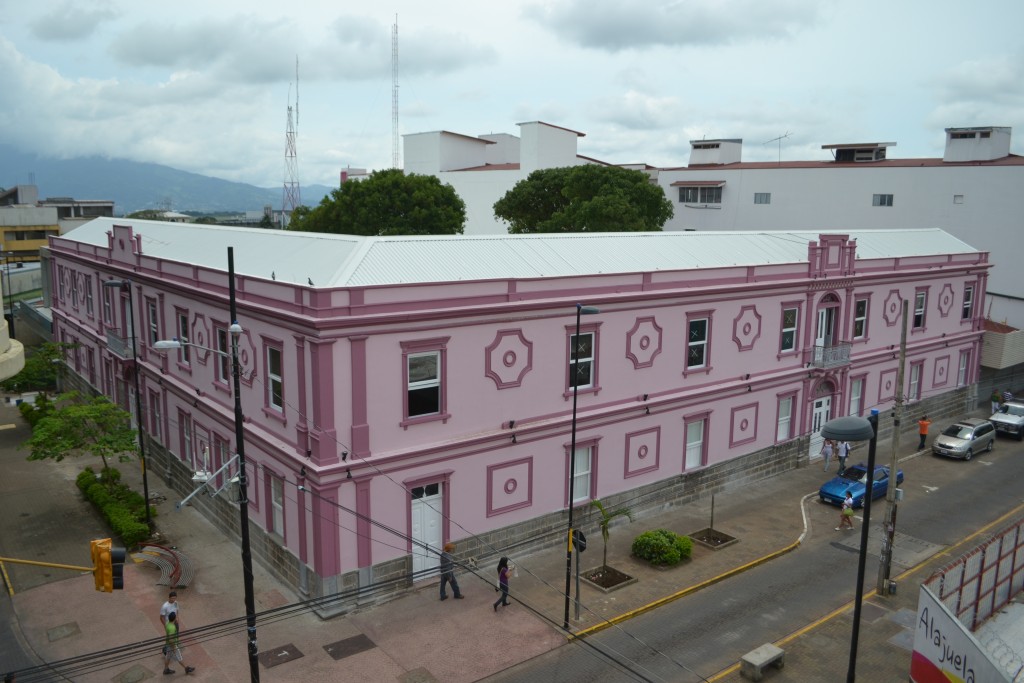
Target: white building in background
<point x="974" y="191"/>
<point x="483" y="168"/>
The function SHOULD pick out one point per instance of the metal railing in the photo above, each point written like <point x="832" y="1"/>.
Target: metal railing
<point x="831" y="356"/>
<point x="118" y="345"/>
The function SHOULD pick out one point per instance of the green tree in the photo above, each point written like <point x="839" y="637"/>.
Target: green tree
<point x="606" y="518"/>
<point x="205" y="220"/>
<point x="267" y="222"/>
<point x="387" y="203"/>
<point x="42" y="366"/>
<point x="588" y="198"/>
<point x="76" y="425"/>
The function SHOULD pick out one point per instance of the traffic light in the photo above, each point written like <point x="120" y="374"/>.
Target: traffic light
<point x="107" y="565"/>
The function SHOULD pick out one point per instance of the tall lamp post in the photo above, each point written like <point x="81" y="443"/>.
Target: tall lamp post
<point x="853" y="428"/>
<point x="243" y="487"/>
<point x="126" y="286"/>
<point x="581" y="310"/>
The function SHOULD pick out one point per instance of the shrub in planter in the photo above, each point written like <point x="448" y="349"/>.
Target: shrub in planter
<point x="662" y="547"/>
<point x="123" y="508"/>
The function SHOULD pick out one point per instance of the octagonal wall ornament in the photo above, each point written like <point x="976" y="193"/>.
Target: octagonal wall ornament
<point x="893" y="306"/>
<point x="746" y="328"/>
<point x="946" y="299"/>
<point x="508" y="358"/>
<point x="643" y="342"/>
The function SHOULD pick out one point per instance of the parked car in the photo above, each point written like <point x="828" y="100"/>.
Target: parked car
<point x="855" y="480"/>
<point x="1010" y="419"/>
<point x="965" y="438"/>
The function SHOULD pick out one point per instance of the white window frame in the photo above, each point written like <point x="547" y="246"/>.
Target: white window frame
<point x="222" y="362"/>
<point x="762" y="198"/>
<point x="704" y="344"/>
<point x="276" y="505"/>
<point x="275" y="380"/>
<point x="961" y="373"/>
<point x="914" y="391"/>
<point x="576" y="360"/>
<point x="153" y="320"/>
<point x="184" y="355"/>
<point x="920" y="309"/>
<point x="862" y="319"/>
<point x="700" y="194"/>
<point x="784" y="422"/>
<point x="794" y="329"/>
<point x="437" y="348"/>
<point x="584" y="470"/>
<point x="882" y="200"/>
<point x="695" y="430"/>
<point x="967" y="310"/>
<point x="108" y="306"/>
<point x="857" y="396"/>
<point x="89" y="304"/>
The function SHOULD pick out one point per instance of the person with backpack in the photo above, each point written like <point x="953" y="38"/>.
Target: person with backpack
<point x="502" y="583"/>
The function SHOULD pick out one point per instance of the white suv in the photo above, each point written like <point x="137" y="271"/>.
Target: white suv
<point x="1010" y="419"/>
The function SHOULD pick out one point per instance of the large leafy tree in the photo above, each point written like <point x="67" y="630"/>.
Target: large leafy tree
<point x="387" y="203"/>
<point x="42" y="366"/>
<point x="75" y="425"/>
<point x="588" y="198"/>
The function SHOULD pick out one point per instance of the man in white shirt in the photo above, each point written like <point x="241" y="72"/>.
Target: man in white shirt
<point x="170" y="607"/>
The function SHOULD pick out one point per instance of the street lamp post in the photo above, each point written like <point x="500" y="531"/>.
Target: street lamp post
<point x="574" y="365"/>
<point x="853" y="428"/>
<point x="243" y="487"/>
<point x="126" y="285"/>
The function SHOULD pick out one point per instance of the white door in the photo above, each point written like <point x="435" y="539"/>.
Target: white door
<point x="822" y="414"/>
<point x="426" y="528"/>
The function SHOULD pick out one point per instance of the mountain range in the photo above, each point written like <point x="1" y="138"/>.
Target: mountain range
<point x="135" y="185"/>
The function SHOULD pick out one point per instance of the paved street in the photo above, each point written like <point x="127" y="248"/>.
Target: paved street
<point x="790" y="581"/>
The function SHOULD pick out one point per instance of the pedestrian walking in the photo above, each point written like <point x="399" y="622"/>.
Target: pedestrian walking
<point x="502" y="583"/>
<point x="922" y="430"/>
<point x="448" y="572"/>
<point x="826" y="452"/>
<point x="1007" y="396"/>
<point x="170" y="607"/>
<point x="846" y="513"/>
<point x="996" y="399"/>
<point x="843" y="453"/>
<point x="172" y="646"/>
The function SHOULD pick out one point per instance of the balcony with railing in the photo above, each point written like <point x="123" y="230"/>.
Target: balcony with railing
<point x="831" y="356"/>
<point x="118" y="344"/>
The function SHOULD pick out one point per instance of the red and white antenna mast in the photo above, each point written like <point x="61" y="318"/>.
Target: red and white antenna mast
<point x="292" y="197"/>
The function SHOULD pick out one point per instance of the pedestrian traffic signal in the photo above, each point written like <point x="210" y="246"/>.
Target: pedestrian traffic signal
<point x="107" y="565"/>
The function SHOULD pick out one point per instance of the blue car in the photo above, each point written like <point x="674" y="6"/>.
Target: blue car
<point x="854" y="480"/>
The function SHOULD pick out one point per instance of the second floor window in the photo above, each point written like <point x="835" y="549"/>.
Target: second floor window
<point x="223" y="361"/>
<point x="881" y="200"/>
<point x="920" y="302"/>
<point x="108" y="306"/>
<point x="968" y="307"/>
<point x="697" y="343"/>
<point x="424" y="383"/>
<point x="860" y="319"/>
<point x="789" y="323"/>
<point x="275" y="382"/>
<point x="88" y="296"/>
<point x="183" y="335"/>
<point x="581" y="360"/>
<point x="153" y="321"/>
<point x="700" y="195"/>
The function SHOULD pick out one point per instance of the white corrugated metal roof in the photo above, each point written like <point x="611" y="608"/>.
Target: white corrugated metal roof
<point x="352" y="261"/>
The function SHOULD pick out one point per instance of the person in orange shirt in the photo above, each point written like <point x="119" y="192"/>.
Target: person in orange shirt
<point x="922" y="429"/>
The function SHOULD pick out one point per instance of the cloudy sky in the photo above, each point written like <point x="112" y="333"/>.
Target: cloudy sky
<point x="205" y="86"/>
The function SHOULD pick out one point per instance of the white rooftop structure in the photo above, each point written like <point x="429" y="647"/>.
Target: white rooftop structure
<point x="328" y="260"/>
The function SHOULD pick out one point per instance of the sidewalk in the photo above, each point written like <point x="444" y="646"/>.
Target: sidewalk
<point x="417" y="638"/>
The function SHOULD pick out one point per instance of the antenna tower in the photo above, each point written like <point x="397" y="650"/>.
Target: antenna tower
<point x="292" y="197"/>
<point x="779" y="140"/>
<point x="394" y="95"/>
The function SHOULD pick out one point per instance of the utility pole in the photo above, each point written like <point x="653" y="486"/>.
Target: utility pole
<point x="889" y="521"/>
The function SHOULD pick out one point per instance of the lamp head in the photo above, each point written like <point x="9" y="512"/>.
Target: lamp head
<point x="848" y="428"/>
<point x="166" y="344"/>
<point x="587" y="310"/>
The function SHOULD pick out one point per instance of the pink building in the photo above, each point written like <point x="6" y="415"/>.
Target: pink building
<point x="402" y="392"/>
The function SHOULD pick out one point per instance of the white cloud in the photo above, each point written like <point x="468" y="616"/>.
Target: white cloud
<point x="70" y="21"/>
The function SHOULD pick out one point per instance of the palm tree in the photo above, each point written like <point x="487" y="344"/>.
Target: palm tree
<point x="606" y="518"/>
